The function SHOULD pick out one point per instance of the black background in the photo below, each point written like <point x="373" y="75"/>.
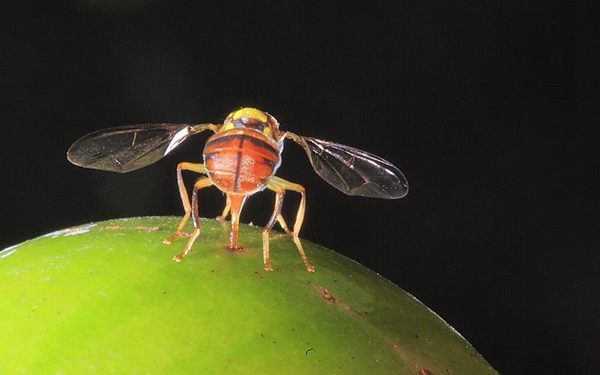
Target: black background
<point x="480" y="103"/>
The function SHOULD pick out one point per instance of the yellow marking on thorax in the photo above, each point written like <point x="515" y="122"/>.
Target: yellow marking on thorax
<point x="248" y="112"/>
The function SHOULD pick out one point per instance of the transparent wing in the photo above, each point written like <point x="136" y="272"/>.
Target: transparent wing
<point x="353" y="171"/>
<point x="127" y="148"/>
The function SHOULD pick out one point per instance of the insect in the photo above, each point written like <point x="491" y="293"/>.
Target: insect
<point x="240" y="159"/>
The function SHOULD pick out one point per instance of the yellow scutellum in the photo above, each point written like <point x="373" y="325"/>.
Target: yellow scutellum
<point x="248" y="112"/>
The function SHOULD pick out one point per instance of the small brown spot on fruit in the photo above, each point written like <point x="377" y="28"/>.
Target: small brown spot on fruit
<point x="118" y="227"/>
<point x="237" y="249"/>
<point x="424" y="371"/>
<point x="327" y="295"/>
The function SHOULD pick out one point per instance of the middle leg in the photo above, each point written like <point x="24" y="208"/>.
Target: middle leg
<point x="279" y="194"/>
<point x="225" y="210"/>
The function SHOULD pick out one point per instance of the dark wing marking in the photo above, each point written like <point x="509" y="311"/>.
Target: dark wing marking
<point x="355" y="172"/>
<point x="127" y="148"/>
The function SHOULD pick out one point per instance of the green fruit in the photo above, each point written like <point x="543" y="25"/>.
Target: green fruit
<point x="108" y="298"/>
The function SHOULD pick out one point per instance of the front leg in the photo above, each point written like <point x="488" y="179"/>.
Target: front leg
<point x="237" y="203"/>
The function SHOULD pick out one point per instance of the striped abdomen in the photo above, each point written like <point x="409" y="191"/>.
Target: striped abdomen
<point x="240" y="160"/>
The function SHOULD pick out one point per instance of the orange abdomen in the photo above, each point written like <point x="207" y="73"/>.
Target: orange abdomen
<point x="240" y="161"/>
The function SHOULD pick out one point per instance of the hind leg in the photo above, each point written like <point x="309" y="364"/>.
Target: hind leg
<point x="200" y="184"/>
<point x="185" y="200"/>
<point x="277" y="184"/>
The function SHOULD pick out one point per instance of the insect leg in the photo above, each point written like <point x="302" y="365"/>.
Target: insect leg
<point x="287" y="185"/>
<point x="200" y="184"/>
<point x="283" y="224"/>
<point x="279" y="194"/>
<point x="237" y="202"/>
<point x="225" y="210"/>
<point x="185" y="200"/>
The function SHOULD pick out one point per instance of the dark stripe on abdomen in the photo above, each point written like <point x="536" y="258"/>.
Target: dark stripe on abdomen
<point x="238" y="163"/>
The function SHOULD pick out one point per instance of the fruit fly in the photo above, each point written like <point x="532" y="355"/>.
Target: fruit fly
<point x="240" y="159"/>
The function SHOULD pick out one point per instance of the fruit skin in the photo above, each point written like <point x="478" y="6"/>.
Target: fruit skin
<point x="106" y="297"/>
